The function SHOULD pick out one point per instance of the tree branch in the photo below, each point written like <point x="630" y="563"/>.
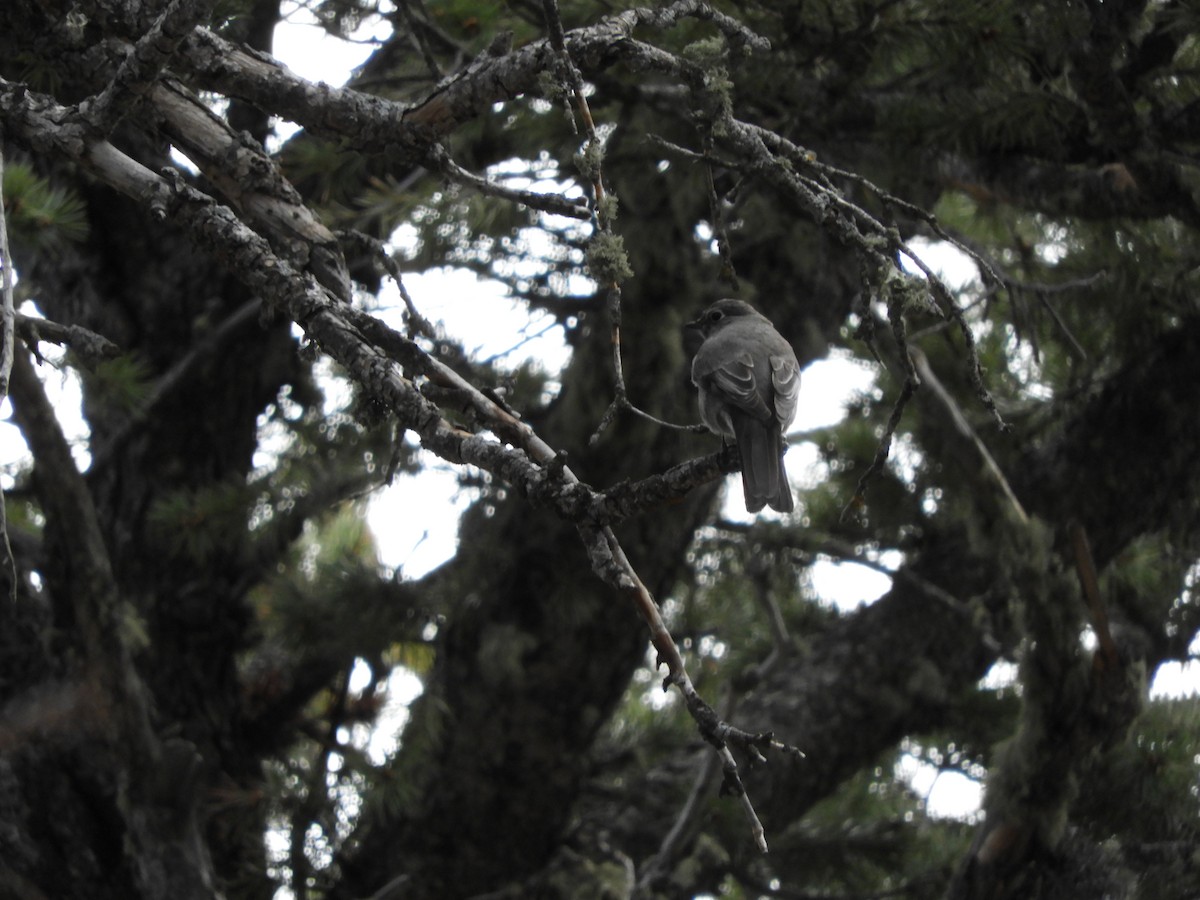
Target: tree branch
<point x="994" y="476"/>
<point x="144" y="63"/>
<point x="88" y="346"/>
<point x="151" y="789"/>
<point x="7" y="344"/>
<point x="252" y="182"/>
<point x="548" y="203"/>
<point x="376" y="125"/>
<point x="361" y="344"/>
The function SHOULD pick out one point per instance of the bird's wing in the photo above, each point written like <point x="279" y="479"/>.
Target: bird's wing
<point x="785" y="378"/>
<point x="736" y="381"/>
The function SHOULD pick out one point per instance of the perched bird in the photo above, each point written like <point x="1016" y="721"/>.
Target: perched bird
<point x="748" y="381"/>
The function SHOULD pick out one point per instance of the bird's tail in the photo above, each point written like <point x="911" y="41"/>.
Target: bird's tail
<point x="764" y="478"/>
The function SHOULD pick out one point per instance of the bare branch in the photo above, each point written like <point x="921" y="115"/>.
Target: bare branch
<point x="590" y="162"/>
<point x="141" y="67"/>
<point x="991" y="469"/>
<point x="7" y="331"/>
<point x="1089" y="585"/>
<point x="883" y="451"/>
<point x="763" y="152"/>
<point x="252" y="182"/>
<point x="548" y="203"/>
<point x="740" y="38"/>
<point x="629" y="499"/>
<point x="368" y="350"/>
<point x="417" y="323"/>
<point x="373" y="124"/>
<point x="90" y="347"/>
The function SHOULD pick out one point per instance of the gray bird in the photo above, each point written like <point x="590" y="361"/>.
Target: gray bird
<point x="749" y="382"/>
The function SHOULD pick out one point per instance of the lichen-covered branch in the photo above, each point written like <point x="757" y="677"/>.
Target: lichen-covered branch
<point x="145" y="61"/>
<point x="370" y="351"/>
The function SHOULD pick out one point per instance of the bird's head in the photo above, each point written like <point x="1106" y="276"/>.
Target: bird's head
<point x="717" y="316"/>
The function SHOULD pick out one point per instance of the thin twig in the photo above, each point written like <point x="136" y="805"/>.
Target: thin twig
<point x="526" y="338"/>
<point x="681" y="830"/>
<point x="609" y="560"/>
<point x="87" y="346"/>
<point x="1089" y="583"/>
<point x="1074" y="344"/>
<point x="986" y="266"/>
<point x="937" y="288"/>
<point x="720" y="232"/>
<point x="417" y="30"/>
<point x="686" y="820"/>
<point x="718" y="733"/>
<point x="911" y="382"/>
<point x="1040" y="289"/>
<point x="884" y="449"/>
<point x="570" y="73"/>
<point x="7" y="331"/>
<point x="620" y="399"/>
<point x="759" y="568"/>
<point x="176" y="377"/>
<point x="990" y="467"/>
<point x="857" y="227"/>
<point x="974" y="365"/>
<point x="740" y="38"/>
<point x="417" y="323"/>
<point x="573" y="78"/>
<point x="548" y="203"/>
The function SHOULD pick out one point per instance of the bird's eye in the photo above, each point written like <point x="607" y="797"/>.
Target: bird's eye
<point x="715" y="315"/>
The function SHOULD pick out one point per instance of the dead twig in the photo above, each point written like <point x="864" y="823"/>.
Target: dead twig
<point x="8" y="326"/>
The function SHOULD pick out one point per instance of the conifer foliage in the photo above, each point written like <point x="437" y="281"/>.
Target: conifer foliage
<point x="210" y="686"/>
